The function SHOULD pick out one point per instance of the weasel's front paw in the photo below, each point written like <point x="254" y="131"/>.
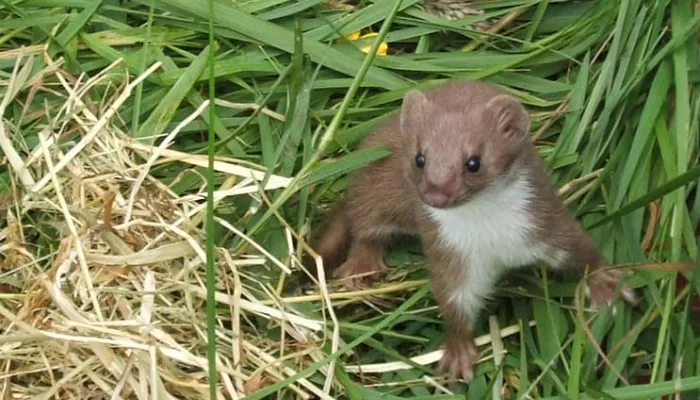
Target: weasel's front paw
<point x="601" y="287"/>
<point x="459" y="358"/>
<point x="358" y="273"/>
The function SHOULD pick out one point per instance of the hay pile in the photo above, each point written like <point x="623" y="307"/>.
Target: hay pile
<point x="117" y="308"/>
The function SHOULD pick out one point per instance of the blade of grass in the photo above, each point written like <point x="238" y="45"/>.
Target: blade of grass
<point x="642" y="135"/>
<point x="298" y="123"/>
<point x="207" y="58"/>
<point x="344" y="165"/>
<point x="680" y="11"/>
<point x="163" y="113"/>
<point x="536" y="20"/>
<point x="658" y="371"/>
<point x="308" y="371"/>
<point x="575" y="374"/>
<point x="329" y="134"/>
<point x="281" y="38"/>
<point x="605" y="77"/>
<point x="136" y="110"/>
<point x="77" y="23"/>
<point x="652" y="390"/>
<point x="262" y="103"/>
<point x="681" y="180"/>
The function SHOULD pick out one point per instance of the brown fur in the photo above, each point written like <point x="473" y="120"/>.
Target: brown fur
<point x="448" y="125"/>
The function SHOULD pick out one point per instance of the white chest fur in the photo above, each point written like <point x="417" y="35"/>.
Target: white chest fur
<point x="492" y="233"/>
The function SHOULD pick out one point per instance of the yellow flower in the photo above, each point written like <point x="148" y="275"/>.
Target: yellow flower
<point x="381" y="50"/>
<point x="354" y="35"/>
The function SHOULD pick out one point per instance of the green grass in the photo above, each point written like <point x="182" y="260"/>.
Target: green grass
<point x="628" y="72"/>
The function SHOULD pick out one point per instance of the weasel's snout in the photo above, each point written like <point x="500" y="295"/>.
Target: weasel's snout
<point x="437" y="199"/>
<point x="440" y="196"/>
<point x="440" y="187"/>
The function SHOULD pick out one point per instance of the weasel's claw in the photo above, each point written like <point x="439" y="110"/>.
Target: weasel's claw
<point x="458" y="359"/>
<point x="601" y="289"/>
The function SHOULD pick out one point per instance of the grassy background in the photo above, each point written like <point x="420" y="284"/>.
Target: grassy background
<point x="612" y="90"/>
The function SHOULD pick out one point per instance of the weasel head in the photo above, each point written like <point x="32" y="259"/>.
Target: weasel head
<point x="463" y="137"/>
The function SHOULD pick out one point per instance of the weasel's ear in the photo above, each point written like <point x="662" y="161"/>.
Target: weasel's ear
<point x="512" y="118"/>
<point x="414" y="103"/>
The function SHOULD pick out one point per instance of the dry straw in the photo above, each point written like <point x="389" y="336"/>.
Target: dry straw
<point x="117" y="310"/>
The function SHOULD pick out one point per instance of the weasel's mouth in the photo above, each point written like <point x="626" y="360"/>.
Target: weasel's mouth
<point x="438" y="199"/>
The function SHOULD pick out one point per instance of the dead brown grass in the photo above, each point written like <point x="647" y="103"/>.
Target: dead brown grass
<point x="117" y="310"/>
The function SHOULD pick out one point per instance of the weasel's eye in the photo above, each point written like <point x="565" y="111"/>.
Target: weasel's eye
<point x="420" y="160"/>
<point x="473" y="164"/>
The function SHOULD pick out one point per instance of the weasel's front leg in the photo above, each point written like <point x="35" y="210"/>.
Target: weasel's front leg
<point x="581" y="253"/>
<point x="460" y="294"/>
<point x="365" y="263"/>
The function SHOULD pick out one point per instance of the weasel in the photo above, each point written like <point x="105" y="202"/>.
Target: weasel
<point x="465" y="177"/>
